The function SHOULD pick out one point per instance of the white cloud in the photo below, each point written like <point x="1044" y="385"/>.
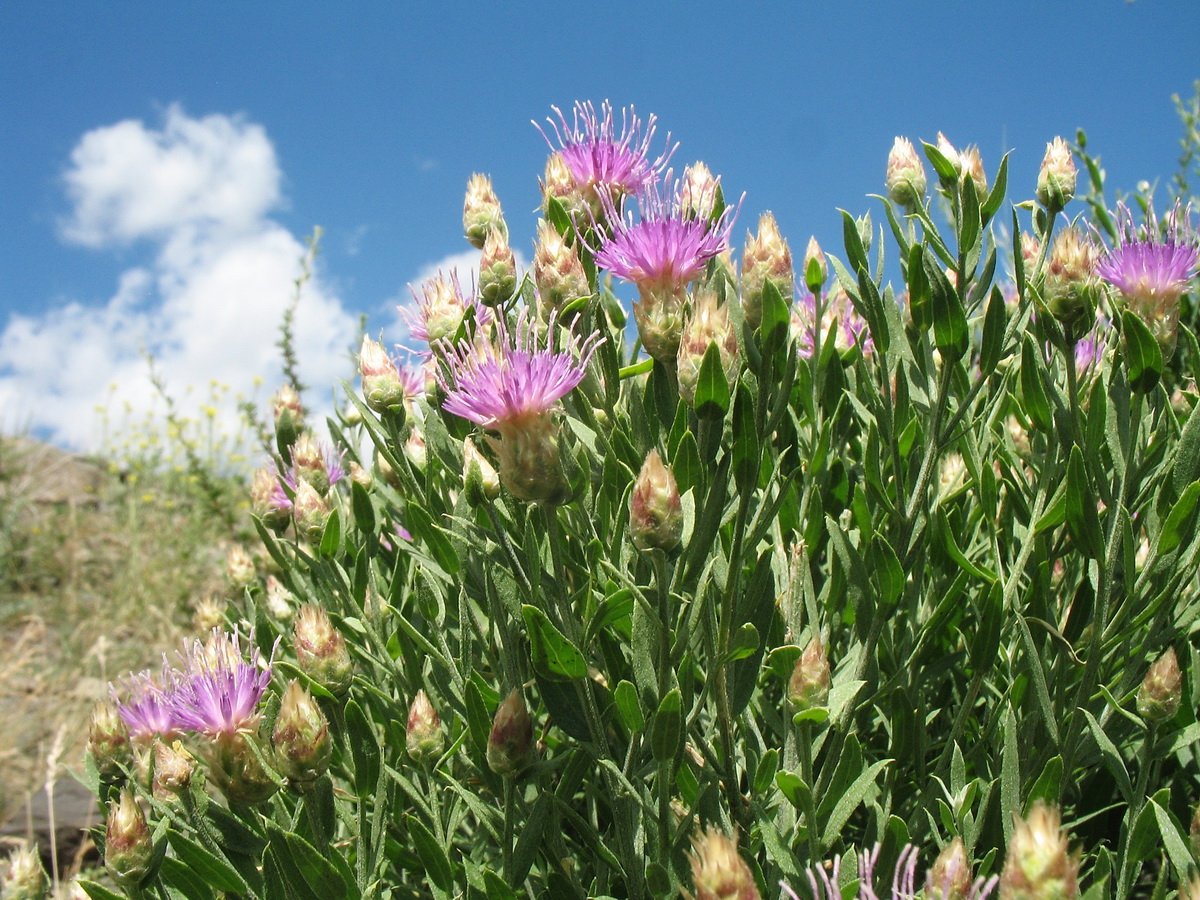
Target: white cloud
<point x="207" y="306"/>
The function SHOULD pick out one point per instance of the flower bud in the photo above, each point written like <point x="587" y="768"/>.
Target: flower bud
<point x="289" y="415"/>
<point x="359" y="475"/>
<point x="1038" y="865"/>
<point x="301" y="736"/>
<point x="108" y="741"/>
<point x="236" y="769"/>
<point x="659" y="318"/>
<point x="265" y="499"/>
<point x="952" y="155"/>
<point x="531" y="466"/>
<point x="308" y="462"/>
<point x="480" y="481"/>
<point x="707" y="323"/>
<point x="441" y="310"/>
<point x="239" y="568"/>
<point x="765" y="258"/>
<point x="972" y="167"/>
<point x="1031" y="248"/>
<point x="718" y="872"/>
<point x="559" y="184"/>
<point x="698" y="191"/>
<point x="279" y="600"/>
<point x="208" y="614"/>
<point x="1057" y="176"/>
<point x="173" y="768"/>
<point x="321" y="651"/>
<point x="481" y="212"/>
<point x="497" y="270"/>
<point x="311" y="511"/>
<point x="815" y="268"/>
<point x="128" y="846"/>
<point x="381" y="384"/>
<point x="423" y="737"/>
<point x="557" y="271"/>
<point x="905" y="174"/>
<point x="655" y="511"/>
<point x="1070" y="280"/>
<point x="24" y="878"/>
<point x="415" y="450"/>
<point x="1162" y="689"/>
<point x="808" y="687"/>
<point x="949" y="877"/>
<point x="386" y="471"/>
<point x="510" y="742"/>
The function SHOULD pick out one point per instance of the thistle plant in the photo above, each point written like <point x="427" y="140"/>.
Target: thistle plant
<point x="882" y="573"/>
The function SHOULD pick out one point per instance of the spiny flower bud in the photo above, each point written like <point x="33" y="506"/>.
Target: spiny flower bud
<point x="173" y="768"/>
<point x="239" y="568"/>
<point x="1057" y="176"/>
<point x="1031" y="248"/>
<point x="311" y="511"/>
<point x="301" y="736"/>
<point x="108" y="741"/>
<point x="381" y="384"/>
<point x="480" y="481"/>
<point x="659" y="318"/>
<point x="655" y="510"/>
<point x="972" y="167"/>
<point x="718" y="872"/>
<point x="905" y="174"/>
<point x="321" y="650"/>
<point x="497" y="270"/>
<point x="235" y="767"/>
<point x="264" y="499"/>
<point x="208" y="614"/>
<point x="279" y="600"/>
<point x="308" y="462"/>
<point x="359" y="475"/>
<point x="128" y="846"/>
<point x="951" y="154"/>
<point x="24" y="878"/>
<point x="510" y="742"/>
<point x="559" y="184"/>
<point x="386" y="471"/>
<point x="289" y="414"/>
<point x="423" y="737"/>
<point x="1071" y="281"/>
<point x="415" y="450"/>
<point x="1162" y="689"/>
<point x="949" y="877"/>
<point x="481" y="211"/>
<point x="1038" y="865"/>
<point x="765" y="258"/>
<point x="698" y="191"/>
<point x="808" y="687"/>
<point x="707" y="323"/>
<point x="815" y="268"/>
<point x="557" y="271"/>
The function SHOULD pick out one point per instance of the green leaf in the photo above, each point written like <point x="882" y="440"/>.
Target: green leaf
<point x="1111" y="756"/>
<point x="1185" y="468"/>
<point x="423" y="528"/>
<point x="1174" y="842"/>
<point x="743" y="643"/>
<point x="856" y="253"/>
<point x="1048" y="786"/>
<point x="364" y="747"/>
<point x="996" y="195"/>
<point x="432" y="856"/>
<point x="307" y="869"/>
<point x="920" y="299"/>
<point x="1056" y="511"/>
<point x="99" y="891"/>
<point x="554" y="656"/>
<point x="776" y="318"/>
<point x="888" y="572"/>
<point x="629" y="707"/>
<point x="331" y="537"/>
<point x="1179" y="521"/>
<point x="666" y="736"/>
<point x="1010" y="774"/>
<point x="745" y="446"/>
<point x="1143" y="356"/>
<point x="995" y="321"/>
<point x="1082" y="519"/>
<point x="364" y="512"/>
<point x="496" y="887"/>
<point x="764" y="773"/>
<point x="184" y="879"/>
<point x="950" y="334"/>
<point x="1033" y="392"/>
<point x="712" y="387"/>
<point x="855" y="794"/>
<point x="212" y="869"/>
<point x="943" y="166"/>
<point x="794" y="788"/>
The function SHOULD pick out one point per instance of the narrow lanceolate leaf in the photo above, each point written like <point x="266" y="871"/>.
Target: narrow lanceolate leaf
<point x="991" y="349"/>
<point x="666" y="736"/>
<point x="858" y="791"/>
<point x="1033" y="392"/>
<point x="1179" y="522"/>
<point x="950" y="334"/>
<point x="1082" y="519"/>
<point x="712" y="387"/>
<point x="554" y="656"/>
<point x="1143" y="357"/>
<point x="433" y="857"/>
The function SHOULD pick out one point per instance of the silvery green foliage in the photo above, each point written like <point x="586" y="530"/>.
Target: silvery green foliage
<point x="992" y="543"/>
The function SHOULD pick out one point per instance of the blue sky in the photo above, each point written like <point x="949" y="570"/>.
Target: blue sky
<point x="163" y="162"/>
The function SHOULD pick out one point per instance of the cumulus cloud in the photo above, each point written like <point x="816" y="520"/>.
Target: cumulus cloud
<point x="208" y="303"/>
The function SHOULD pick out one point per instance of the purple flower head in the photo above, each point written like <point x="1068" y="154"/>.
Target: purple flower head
<point x="504" y="387"/>
<point x="823" y="880"/>
<point x="218" y="689"/>
<point x="667" y="247"/>
<point x="1151" y="267"/>
<point x="441" y="309"/>
<point x="1090" y="350"/>
<point x="598" y="157"/>
<point x="149" y="710"/>
<point x="852" y="330"/>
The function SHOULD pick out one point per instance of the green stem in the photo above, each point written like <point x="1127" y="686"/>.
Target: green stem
<point x="804" y="742"/>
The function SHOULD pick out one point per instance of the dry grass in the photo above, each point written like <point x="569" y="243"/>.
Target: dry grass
<point x="98" y="576"/>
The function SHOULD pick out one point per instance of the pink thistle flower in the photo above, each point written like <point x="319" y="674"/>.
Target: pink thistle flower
<point x="149" y="711"/>
<point x="852" y="330"/>
<point x="513" y="390"/>
<point x="440" y="309"/>
<point x="218" y="690"/>
<point x="603" y="162"/>
<point x="1151" y="268"/>
<point x="823" y="880"/>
